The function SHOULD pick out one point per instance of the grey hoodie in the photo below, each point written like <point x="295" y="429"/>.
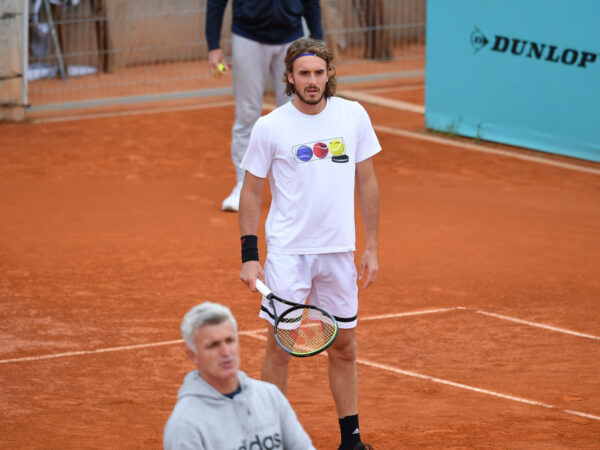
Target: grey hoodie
<point x="258" y="418"/>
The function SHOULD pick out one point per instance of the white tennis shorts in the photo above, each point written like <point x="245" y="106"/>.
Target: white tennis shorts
<point x="328" y="280"/>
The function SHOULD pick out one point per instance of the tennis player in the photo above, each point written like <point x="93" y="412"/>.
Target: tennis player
<point x="315" y="150"/>
<point x="220" y="407"/>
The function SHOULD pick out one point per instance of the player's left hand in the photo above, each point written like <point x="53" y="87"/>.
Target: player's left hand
<point x="369" y="266"/>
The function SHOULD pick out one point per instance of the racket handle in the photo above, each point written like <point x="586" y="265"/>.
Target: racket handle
<point x="264" y="290"/>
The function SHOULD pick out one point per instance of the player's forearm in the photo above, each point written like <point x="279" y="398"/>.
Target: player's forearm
<point x="368" y="198"/>
<point x="369" y="205"/>
<point x="249" y="212"/>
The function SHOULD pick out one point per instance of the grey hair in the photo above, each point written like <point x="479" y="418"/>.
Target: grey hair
<point x="203" y="314"/>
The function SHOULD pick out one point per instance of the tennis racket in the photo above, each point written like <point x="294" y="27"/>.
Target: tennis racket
<point x="301" y="330"/>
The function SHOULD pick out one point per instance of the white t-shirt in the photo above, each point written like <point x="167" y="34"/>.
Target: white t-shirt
<point x="311" y="163"/>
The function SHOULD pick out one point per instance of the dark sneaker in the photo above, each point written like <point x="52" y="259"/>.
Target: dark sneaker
<point x="360" y="446"/>
<point x="363" y="446"/>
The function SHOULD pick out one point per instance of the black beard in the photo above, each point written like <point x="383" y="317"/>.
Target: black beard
<point x="310" y="102"/>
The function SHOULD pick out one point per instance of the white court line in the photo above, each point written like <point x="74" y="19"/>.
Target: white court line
<point x="112" y="349"/>
<point x="474" y="389"/>
<point x="88" y="352"/>
<point x="483" y="149"/>
<point x="135" y="112"/>
<point x="538" y="325"/>
<point x="412" y="313"/>
<point x="409" y="87"/>
<point x="485" y="313"/>
<point x="577" y="413"/>
<point x="382" y="101"/>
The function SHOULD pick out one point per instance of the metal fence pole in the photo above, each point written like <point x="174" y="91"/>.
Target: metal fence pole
<point x="25" y="53"/>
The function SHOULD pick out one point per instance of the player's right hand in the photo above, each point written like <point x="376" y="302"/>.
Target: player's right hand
<point x="251" y="270"/>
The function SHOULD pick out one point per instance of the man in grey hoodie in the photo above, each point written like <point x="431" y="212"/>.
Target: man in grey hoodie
<point x="219" y="406"/>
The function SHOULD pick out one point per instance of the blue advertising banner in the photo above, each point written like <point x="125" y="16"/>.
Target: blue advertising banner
<point x="524" y="73"/>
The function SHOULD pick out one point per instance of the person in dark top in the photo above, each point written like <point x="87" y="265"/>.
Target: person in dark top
<point x="261" y="33"/>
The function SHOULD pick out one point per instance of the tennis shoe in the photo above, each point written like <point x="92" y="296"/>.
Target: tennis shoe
<point x="232" y="203"/>
<point x="360" y="446"/>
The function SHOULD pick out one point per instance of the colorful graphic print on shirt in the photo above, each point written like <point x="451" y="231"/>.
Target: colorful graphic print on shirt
<point x="334" y="149"/>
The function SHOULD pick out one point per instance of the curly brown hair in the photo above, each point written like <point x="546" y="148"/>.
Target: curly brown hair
<point x="307" y="45"/>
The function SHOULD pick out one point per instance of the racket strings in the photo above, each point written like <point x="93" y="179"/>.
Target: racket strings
<point x="305" y="330"/>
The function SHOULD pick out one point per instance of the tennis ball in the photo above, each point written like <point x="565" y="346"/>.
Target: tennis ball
<point x="336" y="147"/>
<point x="304" y="153"/>
<point x="320" y="150"/>
<point x="220" y="69"/>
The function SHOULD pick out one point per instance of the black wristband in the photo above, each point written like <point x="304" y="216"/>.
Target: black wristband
<point x="249" y="248"/>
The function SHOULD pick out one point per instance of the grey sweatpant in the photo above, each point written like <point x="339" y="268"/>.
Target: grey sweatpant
<point x="252" y="64"/>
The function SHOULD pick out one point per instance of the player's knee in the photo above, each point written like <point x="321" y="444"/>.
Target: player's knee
<point x="344" y="350"/>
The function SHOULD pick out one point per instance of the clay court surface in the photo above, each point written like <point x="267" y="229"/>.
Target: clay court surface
<point x="482" y="331"/>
